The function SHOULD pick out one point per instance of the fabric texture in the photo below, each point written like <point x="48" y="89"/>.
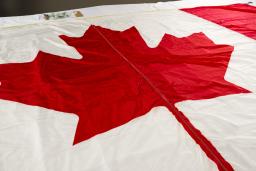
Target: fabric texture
<point x="237" y="17"/>
<point x="128" y="87"/>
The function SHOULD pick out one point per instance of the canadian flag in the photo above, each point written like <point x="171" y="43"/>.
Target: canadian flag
<point x="150" y="87"/>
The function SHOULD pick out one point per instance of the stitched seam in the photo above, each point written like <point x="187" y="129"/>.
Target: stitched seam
<point x="178" y="114"/>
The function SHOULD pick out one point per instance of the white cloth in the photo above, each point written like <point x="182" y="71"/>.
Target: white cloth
<point x="35" y="138"/>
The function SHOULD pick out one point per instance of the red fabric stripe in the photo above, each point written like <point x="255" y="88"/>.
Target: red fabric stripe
<point x="201" y="140"/>
<point x="238" y="17"/>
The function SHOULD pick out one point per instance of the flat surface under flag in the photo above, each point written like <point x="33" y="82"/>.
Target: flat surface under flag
<point x="139" y="87"/>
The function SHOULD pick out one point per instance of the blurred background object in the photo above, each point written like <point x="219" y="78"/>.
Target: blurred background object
<point x="28" y="7"/>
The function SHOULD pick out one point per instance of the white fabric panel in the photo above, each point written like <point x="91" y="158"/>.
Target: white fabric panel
<point x="231" y="126"/>
<point x="153" y="142"/>
<point x="31" y="39"/>
<point x="29" y="134"/>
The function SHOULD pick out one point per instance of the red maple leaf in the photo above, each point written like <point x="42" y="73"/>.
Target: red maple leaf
<point x="120" y="78"/>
